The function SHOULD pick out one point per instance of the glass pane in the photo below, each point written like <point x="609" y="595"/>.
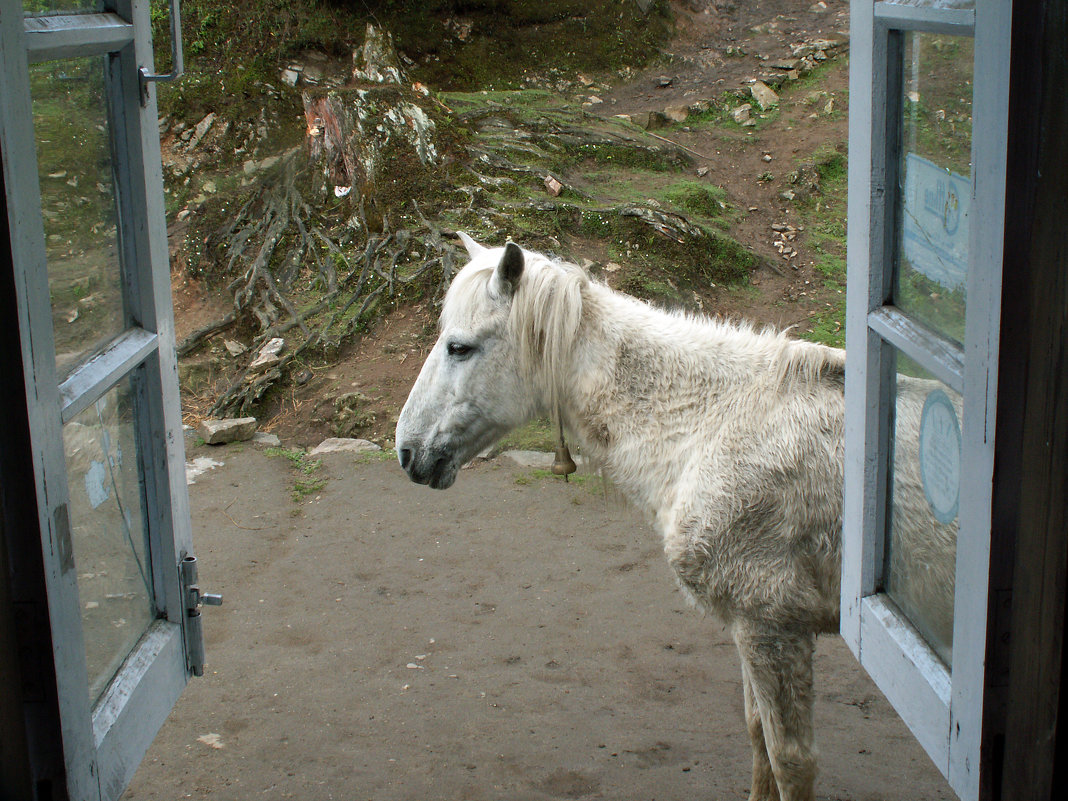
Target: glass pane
<point x="78" y="204"/>
<point x="935" y="196"/>
<point x="925" y="470"/>
<point x="110" y="552"/>
<point x="40" y="8"/>
<point x="950" y="4"/>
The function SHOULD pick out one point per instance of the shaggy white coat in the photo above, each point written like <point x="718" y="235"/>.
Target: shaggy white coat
<point x="728" y="439"/>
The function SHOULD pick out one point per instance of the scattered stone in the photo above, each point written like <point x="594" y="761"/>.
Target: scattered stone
<point x="201" y="129"/>
<point x="552" y="186"/>
<point x="290" y="76"/>
<point x="266" y="439"/>
<point x="818" y="8"/>
<point x="829" y="107"/>
<point x="269" y="355"/>
<point x="594" y="100"/>
<point x="640" y="118"/>
<point x="183" y="215"/>
<point x="677" y="113"/>
<point x="741" y="114"/>
<point x="700" y="106"/>
<point x="303" y="377"/>
<point x="766" y="157"/>
<point x="251" y="166"/>
<point x="764" y="95"/>
<point x="656" y="119"/>
<point x="664" y="81"/>
<point x="233" y="429"/>
<point x="209" y="188"/>
<point x="233" y="347"/>
<point x="343" y="445"/>
<point x="702" y="172"/>
<point x="789" y="194"/>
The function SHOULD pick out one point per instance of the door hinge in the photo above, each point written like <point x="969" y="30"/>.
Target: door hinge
<point x="192" y="598"/>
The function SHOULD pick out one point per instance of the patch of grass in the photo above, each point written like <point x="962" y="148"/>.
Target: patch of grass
<point x="537" y="435"/>
<point x="659" y="268"/>
<point x="651" y="159"/>
<point x="306" y="482"/>
<point x="824" y="215"/>
<point x="828" y="326"/>
<point x="697" y="198"/>
<point x="588" y="481"/>
<point x="374" y="457"/>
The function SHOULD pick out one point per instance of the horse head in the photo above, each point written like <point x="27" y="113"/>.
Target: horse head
<point x="472" y="388"/>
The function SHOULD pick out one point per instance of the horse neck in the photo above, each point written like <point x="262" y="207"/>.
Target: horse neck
<point x="641" y="382"/>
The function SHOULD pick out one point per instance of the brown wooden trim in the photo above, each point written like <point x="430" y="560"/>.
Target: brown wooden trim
<point x="1031" y="465"/>
<point x="31" y="757"/>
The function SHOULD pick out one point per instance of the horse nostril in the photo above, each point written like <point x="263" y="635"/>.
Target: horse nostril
<point x="405" y="455"/>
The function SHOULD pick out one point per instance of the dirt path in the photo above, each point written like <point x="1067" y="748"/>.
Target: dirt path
<point x="513" y="638"/>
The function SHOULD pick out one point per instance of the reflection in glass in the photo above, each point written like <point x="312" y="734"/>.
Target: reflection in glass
<point x="107" y="531"/>
<point x="935" y="191"/>
<point x="40" y="8"/>
<point x="78" y="204"/>
<point x="925" y="487"/>
<point x="946" y="4"/>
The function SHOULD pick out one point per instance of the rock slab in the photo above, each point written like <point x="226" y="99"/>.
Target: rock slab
<point x="343" y="445"/>
<point x="234" y="429"/>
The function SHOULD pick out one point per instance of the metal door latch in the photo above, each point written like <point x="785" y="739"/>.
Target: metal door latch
<point x="192" y="598"/>
<point x="177" y="57"/>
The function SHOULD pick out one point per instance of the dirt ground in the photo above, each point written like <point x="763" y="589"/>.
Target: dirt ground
<point x="515" y="637"/>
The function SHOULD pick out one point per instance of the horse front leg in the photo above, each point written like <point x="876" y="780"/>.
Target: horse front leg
<point x="777" y="672"/>
<point x="763" y="787"/>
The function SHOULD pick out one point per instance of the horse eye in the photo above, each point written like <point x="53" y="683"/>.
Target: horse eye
<point x="458" y="349"/>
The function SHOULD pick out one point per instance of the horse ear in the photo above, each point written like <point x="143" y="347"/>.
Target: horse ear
<point x="473" y="248"/>
<point x="510" y="270"/>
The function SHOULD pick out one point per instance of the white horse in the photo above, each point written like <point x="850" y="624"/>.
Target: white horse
<point x="729" y="440"/>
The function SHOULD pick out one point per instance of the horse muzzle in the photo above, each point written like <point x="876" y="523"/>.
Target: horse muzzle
<point x="433" y="467"/>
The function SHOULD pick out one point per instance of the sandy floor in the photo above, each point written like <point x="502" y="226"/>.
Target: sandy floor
<point x="511" y="638"/>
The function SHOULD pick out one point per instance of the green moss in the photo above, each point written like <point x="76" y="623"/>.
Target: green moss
<point x="697" y="198"/>
<point x="626" y="157"/>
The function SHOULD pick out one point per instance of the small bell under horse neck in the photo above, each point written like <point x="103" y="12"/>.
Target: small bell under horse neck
<point x="563" y="464"/>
